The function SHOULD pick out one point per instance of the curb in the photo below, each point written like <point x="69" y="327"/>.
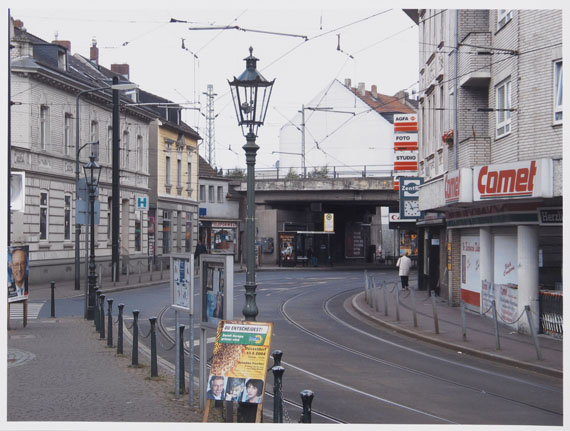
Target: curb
<point x="457" y="347"/>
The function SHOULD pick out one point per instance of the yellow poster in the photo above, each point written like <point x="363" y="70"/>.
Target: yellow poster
<point x="240" y="361"/>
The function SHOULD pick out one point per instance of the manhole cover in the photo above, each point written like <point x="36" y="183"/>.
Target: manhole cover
<point x="18" y="357"/>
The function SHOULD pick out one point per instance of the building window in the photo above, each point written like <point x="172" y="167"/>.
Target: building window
<point x="167" y="168"/>
<point x="189" y="184"/>
<point x="165" y="232"/>
<point x="67" y="134"/>
<point x="503" y="108"/>
<point x="109" y="145"/>
<point x="138" y="230"/>
<point x="44" y="126"/>
<point x="558" y="91"/>
<point x="503" y="17"/>
<point x="202" y="193"/>
<point x="211" y="194"/>
<point x="220" y="194"/>
<point x="44" y="221"/>
<point x="67" y="218"/>
<point x="95" y="139"/>
<point x="140" y="153"/>
<point x="109" y="209"/>
<point x="179" y="173"/>
<point x="125" y="148"/>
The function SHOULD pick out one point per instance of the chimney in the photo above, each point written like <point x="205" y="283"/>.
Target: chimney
<point x="18" y="24"/>
<point x="94" y="52"/>
<point x="121" y="69"/>
<point x="361" y="89"/>
<point x="374" y="92"/>
<point x="347" y="82"/>
<point x="65" y="43"/>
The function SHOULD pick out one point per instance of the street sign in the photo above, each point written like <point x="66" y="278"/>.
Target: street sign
<point x="328" y="222"/>
<point x="142" y="202"/>
<point x="82" y="212"/>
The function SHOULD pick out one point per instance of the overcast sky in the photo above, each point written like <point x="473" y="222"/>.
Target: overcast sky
<point x="382" y="42"/>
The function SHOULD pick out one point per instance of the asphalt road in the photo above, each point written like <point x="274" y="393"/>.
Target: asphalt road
<point x="358" y="372"/>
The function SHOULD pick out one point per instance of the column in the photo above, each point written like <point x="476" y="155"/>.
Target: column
<point x="527" y="273"/>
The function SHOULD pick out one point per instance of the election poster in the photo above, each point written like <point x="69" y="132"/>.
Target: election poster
<point x="18" y="267"/>
<point x="239" y="363"/>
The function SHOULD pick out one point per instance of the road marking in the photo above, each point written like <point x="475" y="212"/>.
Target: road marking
<point x="17" y="310"/>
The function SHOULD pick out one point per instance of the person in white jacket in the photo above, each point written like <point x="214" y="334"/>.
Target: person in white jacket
<point x="404" y="263"/>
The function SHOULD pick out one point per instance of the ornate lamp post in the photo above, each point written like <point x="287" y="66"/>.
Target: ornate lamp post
<point x="250" y="93"/>
<point x="92" y="171"/>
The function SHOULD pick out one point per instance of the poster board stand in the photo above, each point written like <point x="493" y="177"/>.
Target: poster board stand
<point x="25" y="308"/>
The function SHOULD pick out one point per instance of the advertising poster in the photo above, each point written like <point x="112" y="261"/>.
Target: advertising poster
<point x="213" y="292"/>
<point x="287" y="249"/>
<point x="18" y="268"/>
<point x="470" y="276"/>
<point x="181" y="283"/>
<point x="239" y="363"/>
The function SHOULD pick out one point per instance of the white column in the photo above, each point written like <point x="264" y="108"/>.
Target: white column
<point x="486" y="257"/>
<point x="527" y="274"/>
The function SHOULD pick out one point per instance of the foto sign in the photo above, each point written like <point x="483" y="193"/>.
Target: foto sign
<point x="142" y="202"/>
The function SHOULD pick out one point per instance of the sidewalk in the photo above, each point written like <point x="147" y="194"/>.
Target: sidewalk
<point x="515" y="349"/>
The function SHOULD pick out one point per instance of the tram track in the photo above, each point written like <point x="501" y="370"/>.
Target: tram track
<point x="327" y="311"/>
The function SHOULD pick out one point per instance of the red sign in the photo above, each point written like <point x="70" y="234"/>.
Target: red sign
<point x="405" y="123"/>
<point x="405" y="141"/>
<point x="502" y="181"/>
<point x="406" y="161"/>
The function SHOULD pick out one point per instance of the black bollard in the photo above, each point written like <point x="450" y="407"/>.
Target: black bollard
<point x="102" y="317"/>
<point x="277" y="394"/>
<point x="120" y="330"/>
<point x="110" y="323"/>
<point x="181" y="338"/>
<point x="96" y="310"/>
<point x="277" y="355"/>
<point x="153" y="357"/>
<point x="307" y="398"/>
<point x="52" y="283"/>
<point x="135" y="355"/>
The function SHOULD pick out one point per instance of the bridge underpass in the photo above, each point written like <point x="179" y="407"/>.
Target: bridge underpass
<point x="299" y="205"/>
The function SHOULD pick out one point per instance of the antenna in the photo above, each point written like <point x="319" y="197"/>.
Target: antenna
<point x="210" y="127"/>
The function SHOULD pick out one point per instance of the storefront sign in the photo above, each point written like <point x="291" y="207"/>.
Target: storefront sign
<point x="228" y="224"/>
<point x="550" y="216"/>
<point x="406" y="161"/>
<point x="526" y="179"/>
<point x="458" y="186"/>
<point x="405" y="123"/>
<point x="405" y="141"/>
<point x="395" y="218"/>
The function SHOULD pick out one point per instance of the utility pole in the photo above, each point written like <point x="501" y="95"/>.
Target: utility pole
<point x="210" y="128"/>
<point x="116" y="186"/>
<point x="304" y="168"/>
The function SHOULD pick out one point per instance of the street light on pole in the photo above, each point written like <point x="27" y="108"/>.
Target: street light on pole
<point x="92" y="172"/>
<point x="250" y="94"/>
<point x="78" y="147"/>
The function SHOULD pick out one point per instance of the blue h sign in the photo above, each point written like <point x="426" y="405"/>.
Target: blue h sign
<point x="142" y="203"/>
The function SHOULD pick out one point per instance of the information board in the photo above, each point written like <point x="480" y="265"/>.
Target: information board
<point x="182" y="283"/>
<point x="216" y="288"/>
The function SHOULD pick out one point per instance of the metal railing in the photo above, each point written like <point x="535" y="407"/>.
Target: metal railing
<point x="315" y="172"/>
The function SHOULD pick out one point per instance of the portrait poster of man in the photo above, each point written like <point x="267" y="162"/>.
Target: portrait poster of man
<point x="18" y="262"/>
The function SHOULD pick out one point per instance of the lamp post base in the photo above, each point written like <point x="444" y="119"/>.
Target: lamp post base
<point x="250" y="310"/>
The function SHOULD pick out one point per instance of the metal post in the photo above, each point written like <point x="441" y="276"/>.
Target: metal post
<point x="100" y="278"/>
<point x="135" y="354"/>
<point x="102" y="317"/>
<point x="463" y="322"/>
<point x="116" y="184"/>
<point x="435" y="319"/>
<point x="52" y="286"/>
<point x="414" y="311"/>
<point x="181" y="353"/>
<point x="277" y="394"/>
<point x="191" y="366"/>
<point x="97" y="317"/>
<point x="277" y="355"/>
<point x="120" y="330"/>
<point x="110" y="323"/>
<point x="151" y="267"/>
<point x="397" y="296"/>
<point x="153" y="357"/>
<point x="92" y="277"/>
<point x="139" y="263"/>
<point x="365" y="286"/>
<point x="498" y="343"/>
<point x="176" y="358"/>
<point x="250" y="309"/>
<point x="307" y="398"/>
<point x="385" y="289"/>
<point x="161" y="269"/>
<point x="532" y="332"/>
<point x="128" y="273"/>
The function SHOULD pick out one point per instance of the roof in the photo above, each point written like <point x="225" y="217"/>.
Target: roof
<point x="382" y="103"/>
<point x="206" y="171"/>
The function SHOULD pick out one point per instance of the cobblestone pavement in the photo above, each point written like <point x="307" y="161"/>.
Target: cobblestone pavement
<point x="59" y="370"/>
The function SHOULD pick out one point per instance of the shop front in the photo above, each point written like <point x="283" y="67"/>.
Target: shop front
<point x="220" y="236"/>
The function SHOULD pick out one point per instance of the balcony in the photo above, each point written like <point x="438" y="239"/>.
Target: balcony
<point x="475" y="60"/>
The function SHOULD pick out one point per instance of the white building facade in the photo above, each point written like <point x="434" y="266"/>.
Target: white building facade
<point x="491" y="156"/>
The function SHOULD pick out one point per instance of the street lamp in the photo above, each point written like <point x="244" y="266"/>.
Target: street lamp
<point x="250" y="93"/>
<point x="127" y="86"/>
<point x="92" y="171"/>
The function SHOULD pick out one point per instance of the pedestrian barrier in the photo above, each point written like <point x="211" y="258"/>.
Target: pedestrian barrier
<point x="120" y="330"/>
<point x="52" y="287"/>
<point x="110" y="323"/>
<point x="102" y="317"/>
<point x="96" y="316"/>
<point x="307" y="399"/>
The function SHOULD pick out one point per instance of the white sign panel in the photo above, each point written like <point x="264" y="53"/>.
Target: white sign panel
<point x="531" y="178"/>
<point x="142" y="202"/>
<point x="328" y="222"/>
<point x="405" y="122"/>
<point x="405" y="141"/>
<point x="182" y="283"/>
<point x="459" y="186"/>
<point x="470" y="274"/>
<point x="395" y="218"/>
<point x="405" y="160"/>
<point x="505" y="259"/>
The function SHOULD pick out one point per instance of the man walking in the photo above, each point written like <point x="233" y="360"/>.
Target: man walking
<point x="404" y="263"/>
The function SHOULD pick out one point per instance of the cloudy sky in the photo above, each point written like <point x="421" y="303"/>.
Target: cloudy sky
<point x="378" y="45"/>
